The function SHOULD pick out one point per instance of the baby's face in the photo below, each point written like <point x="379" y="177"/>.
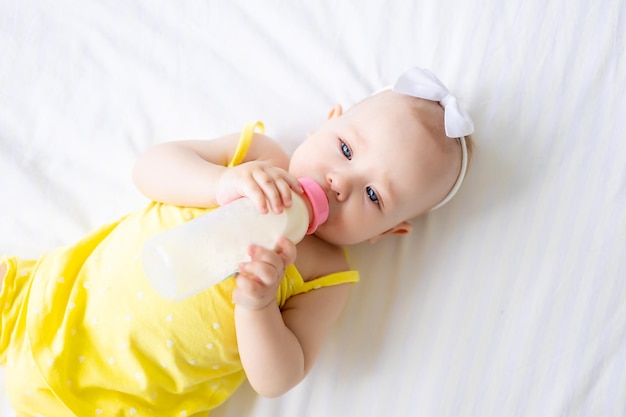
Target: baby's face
<point x="378" y="165"/>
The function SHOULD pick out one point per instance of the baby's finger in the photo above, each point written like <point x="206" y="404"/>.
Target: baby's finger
<point x="260" y="272"/>
<point x="285" y="192"/>
<point x="250" y="293"/>
<point x="247" y="283"/>
<point x="255" y="193"/>
<point x="267" y="183"/>
<point x="294" y="183"/>
<point x="265" y="264"/>
<point x="287" y="251"/>
<point x="286" y="184"/>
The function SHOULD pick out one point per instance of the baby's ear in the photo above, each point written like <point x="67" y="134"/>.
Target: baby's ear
<point x="399" y="229"/>
<point x="336" y="111"/>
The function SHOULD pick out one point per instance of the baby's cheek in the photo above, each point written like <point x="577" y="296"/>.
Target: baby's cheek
<point x="342" y="232"/>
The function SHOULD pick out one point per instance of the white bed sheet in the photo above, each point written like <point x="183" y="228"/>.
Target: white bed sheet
<point x="507" y="302"/>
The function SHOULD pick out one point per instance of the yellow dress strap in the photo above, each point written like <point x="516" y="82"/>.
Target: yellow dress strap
<point x="344" y="277"/>
<point x="244" y="142"/>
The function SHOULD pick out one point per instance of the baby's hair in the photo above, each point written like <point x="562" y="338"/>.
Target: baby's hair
<point x="430" y="114"/>
<point x="417" y="113"/>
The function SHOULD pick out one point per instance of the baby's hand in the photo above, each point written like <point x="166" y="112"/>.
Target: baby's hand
<point x="260" y="181"/>
<point x="259" y="279"/>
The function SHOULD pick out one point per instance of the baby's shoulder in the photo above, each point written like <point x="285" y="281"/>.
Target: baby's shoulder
<point x="265" y="148"/>
<point x="317" y="258"/>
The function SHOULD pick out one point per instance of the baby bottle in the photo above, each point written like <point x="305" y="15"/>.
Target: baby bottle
<point x="202" y="252"/>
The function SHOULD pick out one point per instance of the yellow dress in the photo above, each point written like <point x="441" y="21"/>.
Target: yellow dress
<point x="84" y="334"/>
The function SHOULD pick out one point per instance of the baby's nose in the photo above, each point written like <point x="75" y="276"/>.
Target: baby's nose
<point x="339" y="185"/>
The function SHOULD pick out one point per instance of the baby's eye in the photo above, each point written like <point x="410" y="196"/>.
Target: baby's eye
<point x="372" y="195"/>
<point x="345" y="149"/>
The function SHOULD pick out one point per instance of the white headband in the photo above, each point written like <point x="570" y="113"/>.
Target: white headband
<point x="421" y="83"/>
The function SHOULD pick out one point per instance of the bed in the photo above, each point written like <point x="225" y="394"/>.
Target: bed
<point x="509" y="301"/>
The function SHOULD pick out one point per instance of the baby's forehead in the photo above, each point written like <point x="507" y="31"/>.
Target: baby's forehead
<point x="404" y="110"/>
<point x="414" y="124"/>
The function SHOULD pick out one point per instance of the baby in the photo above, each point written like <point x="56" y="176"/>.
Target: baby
<point x="83" y="333"/>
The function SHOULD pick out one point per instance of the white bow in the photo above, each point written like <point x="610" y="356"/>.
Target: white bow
<point x="421" y="83"/>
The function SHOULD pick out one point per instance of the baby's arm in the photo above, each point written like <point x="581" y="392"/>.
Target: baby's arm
<point x="278" y="348"/>
<point x="194" y="173"/>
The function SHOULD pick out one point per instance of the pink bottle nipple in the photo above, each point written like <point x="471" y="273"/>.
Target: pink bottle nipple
<point x="319" y="203"/>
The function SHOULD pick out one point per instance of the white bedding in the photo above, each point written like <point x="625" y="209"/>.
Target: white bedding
<point x="510" y="301"/>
